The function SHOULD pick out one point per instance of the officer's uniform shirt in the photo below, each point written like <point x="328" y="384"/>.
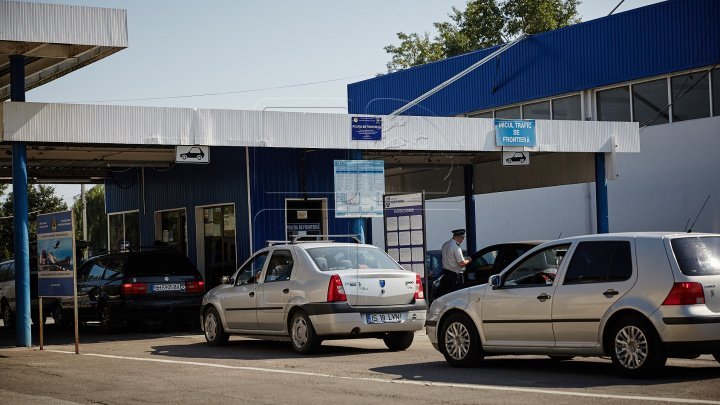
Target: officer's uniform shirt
<point x="451" y="255"/>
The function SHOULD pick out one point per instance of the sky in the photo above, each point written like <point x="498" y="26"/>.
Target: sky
<point x="311" y="49"/>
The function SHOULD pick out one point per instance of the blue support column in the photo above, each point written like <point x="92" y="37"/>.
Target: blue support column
<point x="601" y="194"/>
<point x="23" y="336"/>
<point x="357" y="224"/>
<point x="471" y="238"/>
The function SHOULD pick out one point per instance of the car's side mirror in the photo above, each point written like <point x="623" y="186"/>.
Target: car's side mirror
<point x="495" y="282"/>
<point x="226" y="280"/>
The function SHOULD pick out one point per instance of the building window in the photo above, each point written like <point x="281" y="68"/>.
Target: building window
<point x="614" y="104"/>
<point x="650" y="100"/>
<point x="123" y="230"/>
<point x="486" y="114"/>
<point x="690" y="96"/>
<point x="566" y="108"/>
<point x="170" y="229"/>
<point x="508" y="113"/>
<point x="540" y="111"/>
<point x="716" y="91"/>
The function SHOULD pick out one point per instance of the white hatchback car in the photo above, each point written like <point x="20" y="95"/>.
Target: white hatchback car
<point x="308" y="292"/>
<point x="638" y="298"/>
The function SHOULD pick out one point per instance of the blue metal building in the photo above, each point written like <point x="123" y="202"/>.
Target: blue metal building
<point x="666" y="37"/>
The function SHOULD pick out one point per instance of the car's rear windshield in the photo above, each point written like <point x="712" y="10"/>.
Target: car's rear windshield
<point x="159" y="264"/>
<point x="351" y="257"/>
<point x="698" y="256"/>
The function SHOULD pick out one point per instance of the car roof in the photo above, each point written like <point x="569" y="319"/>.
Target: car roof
<point x="650" y="235"/>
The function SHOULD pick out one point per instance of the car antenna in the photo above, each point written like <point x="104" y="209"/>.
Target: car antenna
<point x="698" y="215"/>
<point x="559" y="235"/>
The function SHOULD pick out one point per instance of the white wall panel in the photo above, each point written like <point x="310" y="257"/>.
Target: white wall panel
<point x="62" y="24"/>
<point x="75" y="123"/>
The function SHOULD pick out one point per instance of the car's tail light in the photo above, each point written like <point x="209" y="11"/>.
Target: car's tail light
<point x="133" y="289"/>
<point x="336" y="291"/>
<point x="419" y="294"/>
<point x="194" y="287"/>
<point x="685" y="294"/>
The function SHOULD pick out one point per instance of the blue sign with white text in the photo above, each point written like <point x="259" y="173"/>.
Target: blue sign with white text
<point x="515" y="132"/>
<point x="366" y="128"/>
<point x="55" y="254"/>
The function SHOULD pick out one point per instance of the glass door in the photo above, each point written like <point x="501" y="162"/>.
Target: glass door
<point x="219" y="243"/>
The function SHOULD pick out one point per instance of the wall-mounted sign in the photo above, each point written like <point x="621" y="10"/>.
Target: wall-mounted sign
<point x="515" y="132"/>
<point x="366" y="128"/>
<point x="56" y="254"/>
<point x="516" y="158"/>
<point x="405" y="230"/>
<point x="192" y="154"/>
<point x="359" y="187"/>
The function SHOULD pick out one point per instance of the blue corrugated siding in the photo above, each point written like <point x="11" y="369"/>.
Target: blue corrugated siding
<point x="662" y="38"/>
<point x="275" y="177"/>
<point x="185" y="186"/>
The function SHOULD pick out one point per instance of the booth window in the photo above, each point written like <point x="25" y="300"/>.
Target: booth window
<point x="566" y="108"/>
<point x="508" y="113"/>
<point x="123" y="230"/>
<point x="690" y="95"/>
<point x="650" y="100"/>
<point x="540" y="111"/>
<point x="614" y="104"/>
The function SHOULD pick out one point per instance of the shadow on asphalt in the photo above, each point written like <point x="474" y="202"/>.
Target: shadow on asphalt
<point x="252" y="349"/>
<point x="519" y="372"/>
<point x="54" y="335"/>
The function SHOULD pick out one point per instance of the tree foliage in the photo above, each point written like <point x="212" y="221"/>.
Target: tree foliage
<point x="96" y="218"/>
<point x="482" y="24"/>
<point x="41" y="199"/>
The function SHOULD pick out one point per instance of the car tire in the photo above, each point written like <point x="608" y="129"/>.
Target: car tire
<point x="215" y="334"/>
<point x="107" y="320"/>
<point x="183" y="156"/>
<point x="561" y="358"/>
<point x="303" y="338"/>
<point x="7" y="316"/>
<point x="459" y="341"/>
<point x="635" y="348"/>
<point x="398" y="341"/>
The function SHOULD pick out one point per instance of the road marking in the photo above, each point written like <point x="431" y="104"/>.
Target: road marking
<point x="406" y="382"/>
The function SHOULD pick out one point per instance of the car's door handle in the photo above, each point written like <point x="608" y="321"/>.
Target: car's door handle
<point x="252" y="294"/>
<point x="610" y="293"/>
<point x="286" y="291"/>
<point x="543" y="297"/>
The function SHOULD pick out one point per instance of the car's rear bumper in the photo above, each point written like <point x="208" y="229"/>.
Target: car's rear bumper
<point x="687" y="323"/>
<point x="343" y="319"/>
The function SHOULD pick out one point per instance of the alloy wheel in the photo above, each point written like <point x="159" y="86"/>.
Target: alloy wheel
<point x="631" y="347"/>
<point x="457" y="341"/>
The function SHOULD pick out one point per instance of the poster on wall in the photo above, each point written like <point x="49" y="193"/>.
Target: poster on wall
<point x="56" y="254"/>
<point x="359" y="187"/>
<point x="404" y="219"/>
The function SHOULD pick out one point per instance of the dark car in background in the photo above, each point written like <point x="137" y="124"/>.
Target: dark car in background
<point x="493" y="259"/>
<point x="148" y="285"/>
<point x="8" y="305"/>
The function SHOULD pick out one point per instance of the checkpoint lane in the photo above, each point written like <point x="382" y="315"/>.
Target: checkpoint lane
<point x="181" y="367"/>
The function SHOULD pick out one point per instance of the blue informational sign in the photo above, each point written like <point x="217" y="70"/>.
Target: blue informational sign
<point x="515" y="132"/>
<point x="359" y="187"/>
<point x="56" y="255"/>
<point x="366" y="128"/>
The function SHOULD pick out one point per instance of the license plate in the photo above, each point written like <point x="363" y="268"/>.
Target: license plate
<point x="168" y="287"/>
<point x="383" y="318"/>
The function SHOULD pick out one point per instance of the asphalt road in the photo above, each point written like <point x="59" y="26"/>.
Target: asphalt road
<point x="172" y="366"/>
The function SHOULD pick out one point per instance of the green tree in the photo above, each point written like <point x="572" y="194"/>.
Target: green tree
<point x="96" y="218"/>
<point x="41" y="199"/>
<point x="482" y="24"/>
